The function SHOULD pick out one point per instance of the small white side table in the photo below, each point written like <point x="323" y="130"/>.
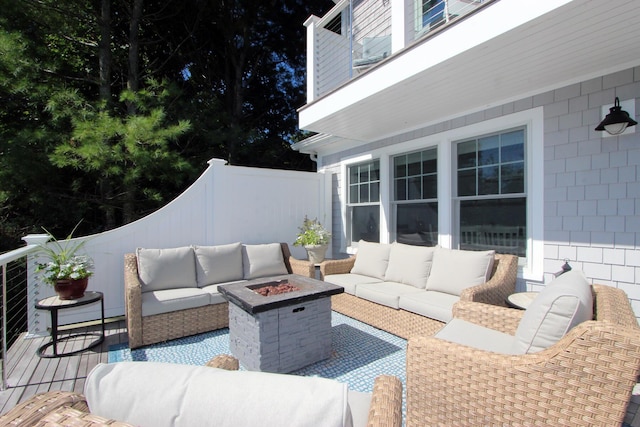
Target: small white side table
<point x="521" y="300"/>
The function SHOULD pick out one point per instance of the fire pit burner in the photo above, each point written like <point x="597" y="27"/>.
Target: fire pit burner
<point x="275" y="288"/>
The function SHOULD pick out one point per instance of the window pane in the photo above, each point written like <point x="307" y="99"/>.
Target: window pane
<point x="488" y="180"/>
<point x="430" y="187"/>
<point x="415" y="188"/>
<point x="353" y="175"/>
<point x="363" y="173"/>
<point x="364" y="193"/>
<point x="498" y="224"/>
<point x="400" y="165"/>
<point x="374" y="195"/>
<point x="512" y="178"/>
<point x="417" y="224"/>
<point x="414" y="164"/>
<point x="375" y="171"/>
<point x="512" y="146"/>
<point x="467" y="154"/>
<point x="488" y="150"/>
<point x="467" y="182"/>
<point x="401" y="189"/>
<point x="430" y="161"/>
<point x="353" y="194"/>
<point x="365" y="222"/>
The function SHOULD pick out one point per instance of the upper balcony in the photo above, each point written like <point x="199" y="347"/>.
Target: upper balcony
<point x="356" y="35"/>
<point x="377" y="68"/>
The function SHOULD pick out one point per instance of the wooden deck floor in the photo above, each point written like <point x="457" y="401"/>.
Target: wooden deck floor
<point x="29" y="374"/>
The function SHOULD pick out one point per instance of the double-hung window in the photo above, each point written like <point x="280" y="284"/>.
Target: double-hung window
<point x="491" y="202"/>
<point x="364" y="202"/>
<point x="415" y="198"/>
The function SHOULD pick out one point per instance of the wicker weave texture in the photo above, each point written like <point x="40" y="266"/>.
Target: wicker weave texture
<point x="584" y="380"/>
<point x="146" y="330"/>
<point x="406" y="324"/>
<point x="31" y="411"/>
<point x="69" y="417"/>
<point x="386" y="402"/>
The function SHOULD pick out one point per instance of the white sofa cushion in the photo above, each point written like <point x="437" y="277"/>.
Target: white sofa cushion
<point x="218" y="264"/>
<point x="214" y="293"/>
<point x="409" y="264"/>
<point x="170" y="268"/>
<point x="263" y="260"/>
<point x="455" y="270"/>
<point x="350" y="281"/>
<point x="372" y="259"/>
<point x="162" y="394"/>
<point x="561" y="305"/>
<point x="169" y="300"/>
<point x="386" y="293"/>
<point x="435" y="305"/>
<point x="472" y="335"/>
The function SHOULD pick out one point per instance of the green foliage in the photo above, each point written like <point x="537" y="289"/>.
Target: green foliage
<point x="62" y="260"/>
<point x="312" y="233"/>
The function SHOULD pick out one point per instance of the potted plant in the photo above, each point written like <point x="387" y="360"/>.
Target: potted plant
<point x="64" y="268"/>
<point x="314" y="238"/>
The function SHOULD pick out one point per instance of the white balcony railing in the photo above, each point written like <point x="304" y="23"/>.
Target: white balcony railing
<point x="356" y="35"/>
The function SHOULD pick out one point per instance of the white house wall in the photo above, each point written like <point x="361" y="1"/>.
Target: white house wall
<point x="591" y="193"/>
<point x="226" y="204"/>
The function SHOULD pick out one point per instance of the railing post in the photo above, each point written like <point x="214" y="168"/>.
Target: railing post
<point x="311" y="57"/>
<point x="4" y="326"/>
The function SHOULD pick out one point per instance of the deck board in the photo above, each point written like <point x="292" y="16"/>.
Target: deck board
<point x="28" y="374"/>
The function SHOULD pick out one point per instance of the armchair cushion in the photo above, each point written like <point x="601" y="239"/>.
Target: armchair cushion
<point x="372" y="259"/>
<point x="163" y="394"/>
<point x="263" y="260"/>
<point x="561" y="305"/>
<point x="218" y="264"/>
<point x="472" y="335"/>
<point x="409" y="264"/>
<point x="455" y="270"/>
<point x="161" y="269"/>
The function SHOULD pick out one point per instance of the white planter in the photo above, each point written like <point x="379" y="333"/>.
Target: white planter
<point x="316" y="253"/>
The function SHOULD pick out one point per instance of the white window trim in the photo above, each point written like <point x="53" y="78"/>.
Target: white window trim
<point x="532" y="120"/>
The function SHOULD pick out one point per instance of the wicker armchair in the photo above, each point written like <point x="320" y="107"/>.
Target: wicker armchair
<point x="406" y="324"/>
<point x="167" y="326"/>
<point x="60" y="408"/>
<point x="65" y="408"/>
<point x="585" y="379"/>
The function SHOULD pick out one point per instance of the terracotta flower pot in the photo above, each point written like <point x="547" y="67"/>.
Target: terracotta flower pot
<point x="70" y="288"/>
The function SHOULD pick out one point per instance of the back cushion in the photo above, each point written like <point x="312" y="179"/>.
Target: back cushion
<point x="372" y="259"/>
<point x="161" y="269"/>
<point x="263" y="260"/>
<point x="561" y="305"/>
<point x="218" y="264"/>
<point x="455" y="270"/>
<point x="409" y="264"/>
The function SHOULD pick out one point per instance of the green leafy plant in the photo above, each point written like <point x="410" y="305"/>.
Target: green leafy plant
<point x="63" y="260"/>
<point x="312" y="233"/>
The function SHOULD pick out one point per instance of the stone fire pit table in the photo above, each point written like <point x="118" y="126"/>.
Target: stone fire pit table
<point x="284" y="332"/>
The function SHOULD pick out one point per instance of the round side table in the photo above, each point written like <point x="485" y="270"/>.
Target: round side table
<point x="53" y="305"/>
<point x="521" y="300"/>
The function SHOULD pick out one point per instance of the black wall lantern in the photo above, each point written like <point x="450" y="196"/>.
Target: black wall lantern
<point x="616" y="121"/>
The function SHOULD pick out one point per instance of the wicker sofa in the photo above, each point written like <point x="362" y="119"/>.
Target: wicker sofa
<point x="172" y="293"/>
<point x="115" y="392"/>
<point x="410" y="290"/>
<point x="584" y="379"/>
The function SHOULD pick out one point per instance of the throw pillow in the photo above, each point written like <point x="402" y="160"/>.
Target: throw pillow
<point x="171" y="268"/>
<point x="455" y="270"/>
<point x="409" y="264"/>
<point x="372" y="259"/>
<point x="561" y="305"/>
<point x="218" y="264"/>
<point x="263" y="260"/>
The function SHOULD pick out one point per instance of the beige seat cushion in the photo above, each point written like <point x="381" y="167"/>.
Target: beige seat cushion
<point x="561" y="305"/>
<point x="372" y="259"/>
<point x="263" y="260"/>
<point x="385" y="293"/>
<point x="169" y="300"/>
<point x="216" y="296"/>
<point x="350" y="281"/>
<point x="171" y="395"/>
<point x="455" y="270"/>
<point x="435" y="305"/>
<point x="409" y="264"/>
<point x="466" y="333"/>
<point x="170" y="268"/>
<point x="218" y="264"/>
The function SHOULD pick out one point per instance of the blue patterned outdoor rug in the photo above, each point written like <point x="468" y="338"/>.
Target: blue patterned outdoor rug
<point x="360" y="353"/>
